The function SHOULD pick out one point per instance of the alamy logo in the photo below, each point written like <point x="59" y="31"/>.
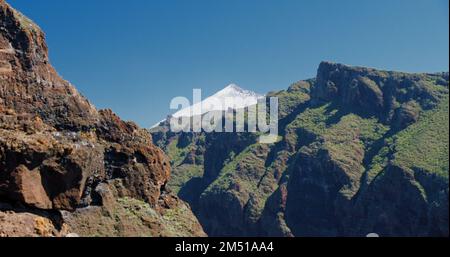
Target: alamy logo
<point x="231" y="110"/>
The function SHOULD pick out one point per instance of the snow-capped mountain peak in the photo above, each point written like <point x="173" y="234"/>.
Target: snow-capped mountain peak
<point x="231" y="97"/>
<point x="234" y="90"/>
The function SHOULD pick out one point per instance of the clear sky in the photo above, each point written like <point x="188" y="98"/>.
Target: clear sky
<point x="134" y="56"/>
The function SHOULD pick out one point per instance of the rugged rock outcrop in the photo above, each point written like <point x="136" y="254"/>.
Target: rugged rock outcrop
<point x="361" y="151"/>
<point x="23" y="223"/>
<point x="63" y="161"/>
<point x="380" y="93"/>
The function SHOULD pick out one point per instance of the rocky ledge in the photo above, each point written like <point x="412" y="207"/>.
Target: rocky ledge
<point x="67" y="168"/>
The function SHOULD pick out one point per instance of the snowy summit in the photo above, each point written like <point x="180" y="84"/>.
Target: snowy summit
<point x="231" y="97"/>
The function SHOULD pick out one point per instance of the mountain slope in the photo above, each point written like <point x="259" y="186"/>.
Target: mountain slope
<point x="361" y="151"/>
<point x="67" y="167"/>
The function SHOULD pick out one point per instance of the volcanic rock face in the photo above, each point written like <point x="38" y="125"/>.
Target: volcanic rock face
<point x="58" y="153"/>
<point x="361" y="151"/>
<point x="377" y="93"/>
<point x="29" y="83"/>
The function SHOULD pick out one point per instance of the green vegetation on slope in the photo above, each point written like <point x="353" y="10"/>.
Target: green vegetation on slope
<point x="424" y="145"/>
<point x="336" y="137"/>
<point x="288" y="100"/>
<point x="175" y="153"/>
<point x="182" y="174"/>
<point x="349" y="138"/>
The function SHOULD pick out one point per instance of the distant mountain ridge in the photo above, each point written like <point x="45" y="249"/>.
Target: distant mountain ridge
<point x="361" y="151"/>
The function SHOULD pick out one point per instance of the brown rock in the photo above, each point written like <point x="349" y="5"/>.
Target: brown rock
<point x="30" y="188"/>
<point x="56" y="150"/>
<point x="29" y="83"/>
<point x="24" y="224"/>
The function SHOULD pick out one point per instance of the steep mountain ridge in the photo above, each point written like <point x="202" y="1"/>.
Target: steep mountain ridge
<point x="362" y="151"/>
<point x="67" y="167"/>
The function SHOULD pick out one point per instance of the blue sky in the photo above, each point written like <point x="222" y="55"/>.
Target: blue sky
<point x="134" y="56"/>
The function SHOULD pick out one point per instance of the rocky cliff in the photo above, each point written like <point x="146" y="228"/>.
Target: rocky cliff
<point x="66" y="167"/>
<point x="361" y="151"/>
